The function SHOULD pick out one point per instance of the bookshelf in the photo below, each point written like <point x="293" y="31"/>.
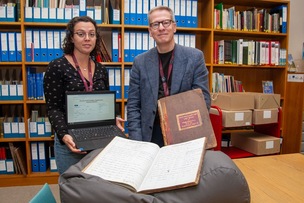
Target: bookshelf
<point x="205" y="35"/>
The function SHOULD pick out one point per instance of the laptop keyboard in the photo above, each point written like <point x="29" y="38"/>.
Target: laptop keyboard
<point x="96" y="133"/>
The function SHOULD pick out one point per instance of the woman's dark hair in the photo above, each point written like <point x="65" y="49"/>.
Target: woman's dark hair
<point x="68" y="45"/>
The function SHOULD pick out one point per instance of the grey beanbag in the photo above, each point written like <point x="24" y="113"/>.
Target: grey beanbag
<point x="221" y="181"/>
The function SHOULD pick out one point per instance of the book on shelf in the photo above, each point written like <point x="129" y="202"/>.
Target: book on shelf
<point x="227" y="51"/>
<point x="234" y="51"/>
<point x="291" y="64"/>
<point x="216" y="52"/>
<point x="185" y="117"/>
<point x="21" y="160"/>
<point x="144" y="167"/>
<point x="104" y="53"/>
<point x="106" y="19"/>
<point x="18" y="159"/>
<point x="2" y="119"/>
<point x="221" y="50"/>
<point x="114" y="12"/>
<point x="267" y="87"/>
<point x="282" y="15"/>
<point x="245" y="52"/>
<point x="219" y="8"/>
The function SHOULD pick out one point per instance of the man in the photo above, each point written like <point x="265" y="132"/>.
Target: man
<point x="165" y="70"/>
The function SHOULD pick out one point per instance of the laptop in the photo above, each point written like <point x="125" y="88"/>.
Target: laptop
<point x="91" y="118"/>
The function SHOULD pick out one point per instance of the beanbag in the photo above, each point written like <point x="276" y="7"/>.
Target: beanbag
<point x="220" y="181"/>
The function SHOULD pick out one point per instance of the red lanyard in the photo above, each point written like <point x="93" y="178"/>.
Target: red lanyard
<point x="162" y="75"/>
<point x="90" y="88"/>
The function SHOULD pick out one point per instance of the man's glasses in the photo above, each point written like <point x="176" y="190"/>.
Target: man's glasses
<point x="165" y="23"/>
<point x="83" y="34"/>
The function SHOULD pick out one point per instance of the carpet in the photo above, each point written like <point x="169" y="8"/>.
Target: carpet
<point x="23" y="194"/>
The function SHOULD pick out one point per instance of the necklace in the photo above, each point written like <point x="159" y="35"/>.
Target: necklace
<point x="87" y="88"/>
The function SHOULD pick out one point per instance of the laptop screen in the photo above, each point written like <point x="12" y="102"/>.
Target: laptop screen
<point x="86" y="107"/>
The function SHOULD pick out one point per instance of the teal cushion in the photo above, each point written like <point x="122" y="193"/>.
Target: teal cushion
<point x="44" y="195"/>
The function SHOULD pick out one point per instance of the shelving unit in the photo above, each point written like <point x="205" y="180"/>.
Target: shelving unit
<point x="251" y="76"/>
<point x="273" y="129"/>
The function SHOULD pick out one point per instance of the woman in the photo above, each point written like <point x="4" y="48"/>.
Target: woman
<point x="75" y="71"/>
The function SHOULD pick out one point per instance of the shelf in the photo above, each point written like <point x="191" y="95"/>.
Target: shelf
<point x="235" y="153"/>
<point x="247" y="66"/>
<point x="11" y="101"/>
<point x="12" y="140"/>
<point x="230" y="130"/>
<point x="250" y="3"/>
<point x="11" y="63"/>
<point x="35" y="101"/>
<point x="255" y="34"/>
<point x="216" y="117"/>
<point x="37" y="139"/>
<point x="20" y="180"/>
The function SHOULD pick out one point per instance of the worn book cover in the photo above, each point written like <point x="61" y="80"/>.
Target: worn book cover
<point x="185" y="117"/>
<point x="21" y="160"/>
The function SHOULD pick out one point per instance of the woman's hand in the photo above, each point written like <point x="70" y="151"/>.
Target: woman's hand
<point x="69" y="142"/>
<point x="119" y="122"/>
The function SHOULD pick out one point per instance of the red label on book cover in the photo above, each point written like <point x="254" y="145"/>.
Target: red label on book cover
<point x="189" y="120"/>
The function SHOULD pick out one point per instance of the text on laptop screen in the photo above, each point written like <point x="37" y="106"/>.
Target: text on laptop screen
<point x="90" y="107"/>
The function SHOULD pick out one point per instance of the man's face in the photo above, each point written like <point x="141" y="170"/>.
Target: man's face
<point x="163" y="32"/>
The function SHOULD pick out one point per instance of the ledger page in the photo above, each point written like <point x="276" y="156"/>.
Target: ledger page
<point x="124" y="161"/>
<point x="177" y="164"/>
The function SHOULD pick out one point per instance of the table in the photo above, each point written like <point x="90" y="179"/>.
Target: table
<point x="276" y="178"/>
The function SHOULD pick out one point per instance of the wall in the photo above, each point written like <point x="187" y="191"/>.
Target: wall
<point x="296" y="28"/>
<point x="296" y="43"/>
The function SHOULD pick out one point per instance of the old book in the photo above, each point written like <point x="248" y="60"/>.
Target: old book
<point x="185" y="117"/>
<point x="14" y="157"/>
<point x="104" y="51"/>
<point x="21" y="160"/>
<point x="144" y="167"/>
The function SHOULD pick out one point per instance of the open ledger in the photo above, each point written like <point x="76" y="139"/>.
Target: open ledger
<point x="144" y="167"/>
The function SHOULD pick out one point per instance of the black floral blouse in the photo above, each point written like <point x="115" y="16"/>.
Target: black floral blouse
<point x="61" y="77"/>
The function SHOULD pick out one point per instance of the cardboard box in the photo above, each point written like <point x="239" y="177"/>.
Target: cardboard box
<point x="256" y="143"/>
<point x="265" y="116"/>
<point x="236" y="118"/>
<point x="233" y="101"/>
<point x="265" y="101"/>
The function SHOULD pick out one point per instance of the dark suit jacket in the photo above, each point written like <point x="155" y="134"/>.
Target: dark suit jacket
<point x="189" y="72"/>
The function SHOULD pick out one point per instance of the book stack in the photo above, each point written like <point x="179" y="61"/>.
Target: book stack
<point x="18" y="159"/>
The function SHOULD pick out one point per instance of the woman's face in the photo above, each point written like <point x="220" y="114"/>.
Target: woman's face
<point x="84" y="37"/>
